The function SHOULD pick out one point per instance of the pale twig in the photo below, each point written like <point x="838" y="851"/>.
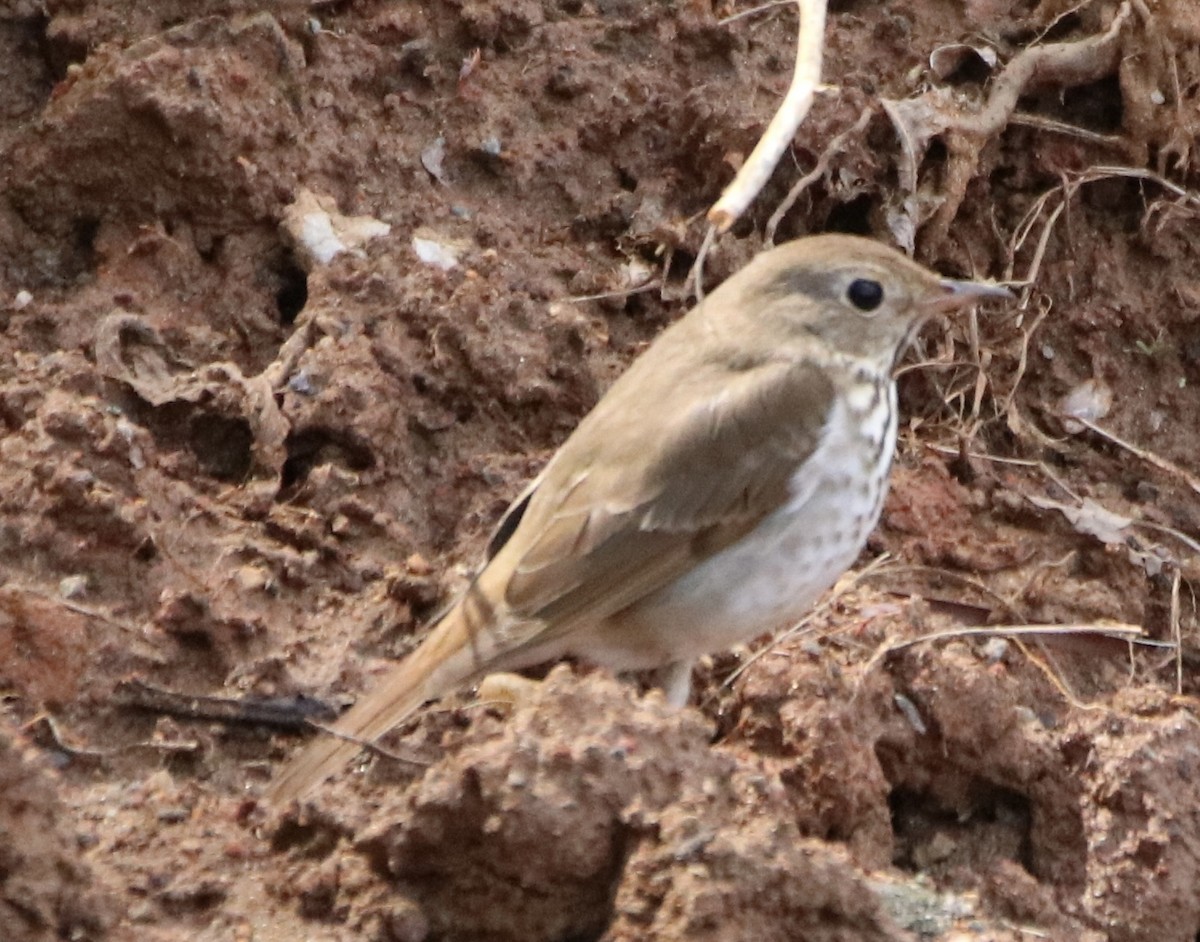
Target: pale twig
<point x="1182" y="537"/>
<point x="1049" y="27"/>
<point x="1042" y="123"/>
<point x="1053" y="673"/>
<point x="1023" y="358"/>
<point x="368" y="745"/>
<point x="1188" y="541"/>
<point x="819" y="169"/>
<point x="1122" y="631"/>
<point x="1025" y="226"/>
<point x="1161" y="463"/>
<point x="1138" y="173"/>
<point x="1176" y="633"/>
<point x="761" y="163"/>
<point x="984" y="456"/>
<point x="86" y="610"/>
<point x="1021" y="929"/>
<point x="1040" y="569"/>
<point x="1132" y="634"/>
<point x="1039" y="252"/>
<point x="604" y="295"/>
<point x="697" y="272"/>
<point x="761" y="8"/>
<point x="1068" y="188"/>
<point x="963" y="580"/>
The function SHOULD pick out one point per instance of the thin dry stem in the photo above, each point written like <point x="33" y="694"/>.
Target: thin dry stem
<point x="370" y="745"/>
<point x="604" y="295"/>
<point x="761" y="8"/>
<point x="1139" y="173"/>
<point x="819" y="170"/>
<point x="961" y="579"/>
<point x="1123" y="631"/>
<point x="697" y="273"/>
<point x="1042" y="123"/>
<point x="1176" y="632"/>
<point x="1159" y="462"/>
<point x="1067" y="189"/>
<point x="87" y="611"/>
<point x="1023" y="359"/>
<point x="984" y="456"/>
<point x="1054" y="674"/>
<point x="1039" y="253"/>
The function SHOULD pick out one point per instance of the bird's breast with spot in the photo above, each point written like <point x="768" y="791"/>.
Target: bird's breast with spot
<point x="779" y="570"/>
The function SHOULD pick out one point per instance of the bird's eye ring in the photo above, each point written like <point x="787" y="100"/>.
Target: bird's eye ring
<point x="865" y="294"/>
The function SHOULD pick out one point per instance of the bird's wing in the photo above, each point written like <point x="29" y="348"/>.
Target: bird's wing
<point x="590" y="542"/>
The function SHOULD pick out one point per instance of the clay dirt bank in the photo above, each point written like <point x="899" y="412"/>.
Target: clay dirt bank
<point x="231" y="468"/>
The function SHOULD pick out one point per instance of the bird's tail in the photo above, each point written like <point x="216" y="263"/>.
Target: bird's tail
<point x="448" y="658"/>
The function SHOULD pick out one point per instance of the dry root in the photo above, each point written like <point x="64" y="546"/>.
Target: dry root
<point x="919" y="120"/>
<point x="757" y="169"/>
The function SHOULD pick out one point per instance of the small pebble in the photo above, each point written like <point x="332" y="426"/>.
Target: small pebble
<point x="173" y="815"/>
<point x="911" y="713"/>
<point x="301" y="383"/>
<point x="995" y="650"/>
<point x="73" y="587"/>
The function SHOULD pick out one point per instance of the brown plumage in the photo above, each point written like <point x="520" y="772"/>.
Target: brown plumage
<point x="723" y="482"/>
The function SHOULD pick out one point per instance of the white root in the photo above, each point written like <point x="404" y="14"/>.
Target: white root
<point x="761" y="163"/>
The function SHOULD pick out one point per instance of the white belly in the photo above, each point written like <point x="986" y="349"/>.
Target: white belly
<point x="773" y="575"/>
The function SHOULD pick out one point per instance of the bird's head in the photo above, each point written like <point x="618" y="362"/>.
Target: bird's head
<point x="853" y="295"/>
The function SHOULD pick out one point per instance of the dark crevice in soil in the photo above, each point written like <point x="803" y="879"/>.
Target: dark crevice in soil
<point x="1096" y="106"/>
<point x="292" y="294"/>
<point x="853" y="217"/>
<point x="221" y="445"/>
<point x="310" y="447"/>
<point x="930" y="836"/>
<point x="81" y="255"/>
<point x="58" y="51"/>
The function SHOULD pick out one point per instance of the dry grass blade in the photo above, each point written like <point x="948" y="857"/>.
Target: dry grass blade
<point x="1121" y="631"/>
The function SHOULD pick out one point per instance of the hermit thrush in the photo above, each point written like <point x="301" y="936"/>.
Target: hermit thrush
<point x="723" y="483"/>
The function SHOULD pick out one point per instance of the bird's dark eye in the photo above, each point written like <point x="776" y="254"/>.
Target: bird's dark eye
<point x="865" y="294"/>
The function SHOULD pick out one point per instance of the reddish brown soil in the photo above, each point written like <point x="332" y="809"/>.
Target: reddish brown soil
<point x="223" y="475"/>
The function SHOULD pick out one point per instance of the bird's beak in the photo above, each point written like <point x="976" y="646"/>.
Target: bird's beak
<point x="952" y="294"/>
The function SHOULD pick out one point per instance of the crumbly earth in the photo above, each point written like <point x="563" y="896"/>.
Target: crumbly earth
<point x="233" y="467"/>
